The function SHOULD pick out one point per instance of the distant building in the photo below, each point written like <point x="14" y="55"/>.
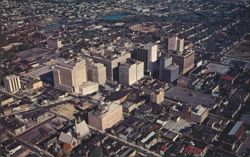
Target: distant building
<point x="131" y="72"/>
<point x="105" y="116"/>
<point x="96" y="72"/>
<point x="184" y="60"/>
<point x="176" y="44"/>
<point x="54" y="43"/>
<point x="69" y="76"/>
<point x="157" y="96"/>
<point x="12" y="83"/>
<point x="148" y="54"/>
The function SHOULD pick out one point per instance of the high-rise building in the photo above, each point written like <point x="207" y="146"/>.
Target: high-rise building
<point x="70" y="75"/>
<point x="148" y="54"/>
<point x="105" y="116"/>
<point x="172" y="43"/>
<point x="184" y="60"/>
<point x="180" y="44"/>
<point x="131" y="72"/>
<point x="176" y="44"/>
<point x="12" y="83"/>
<point x="165" y="61"/>
<point x="171" y="73"/>
<point x="96" y="72"/>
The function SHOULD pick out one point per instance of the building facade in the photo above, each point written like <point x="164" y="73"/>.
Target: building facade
<point x="105" y="116"/>
<point x="184" y="60"/>
<point x="70" y="75"/>
<point x="131" y="72"/>
<point x="96" y="72"/>
<point x="171" y="73"/>
<point x="176" y="44"/>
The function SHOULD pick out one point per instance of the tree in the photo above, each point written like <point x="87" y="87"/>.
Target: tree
<point x="67" y="149"/>
<point x="97" y="152"/>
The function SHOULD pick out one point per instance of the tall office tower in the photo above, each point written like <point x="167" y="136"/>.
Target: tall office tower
<point x="172" y="43"/>
<point x="184" y="60"/>
<point x="171" y="73"/>
<point x="70" y="75"/>
<point x="105" y="116"/>
<point x="147" y="54"/>
<point x="165" y="61"/>
<point x="176" y="44"/>
<point x="12" y="83"/>
<point x="96" y="72"/>
<point x="180" y="44"/>
<point x="131" y="72"/>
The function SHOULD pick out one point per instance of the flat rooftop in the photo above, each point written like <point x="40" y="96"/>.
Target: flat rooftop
<point x="190" y="97"/>
<point x="37" y="72"/>
<point x="218" y="68"/>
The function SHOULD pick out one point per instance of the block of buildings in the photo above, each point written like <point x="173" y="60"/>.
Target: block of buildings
<point x="196" y="114"/>
<point x="111" y="60"/>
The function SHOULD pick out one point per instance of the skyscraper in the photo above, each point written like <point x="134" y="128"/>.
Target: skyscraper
<point x="147" y="54"/>
<point x="172" y="43"/>
<point x="12" y="83"/>
<point x="176" y="44"/>
<point x="96" y="72"/>
<point x="184" y="60"/>
<point x="171" y="73"/>
<point x="70" y="75"/>
<point x="165" y="61"/>
<point x="131" y="72"/>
